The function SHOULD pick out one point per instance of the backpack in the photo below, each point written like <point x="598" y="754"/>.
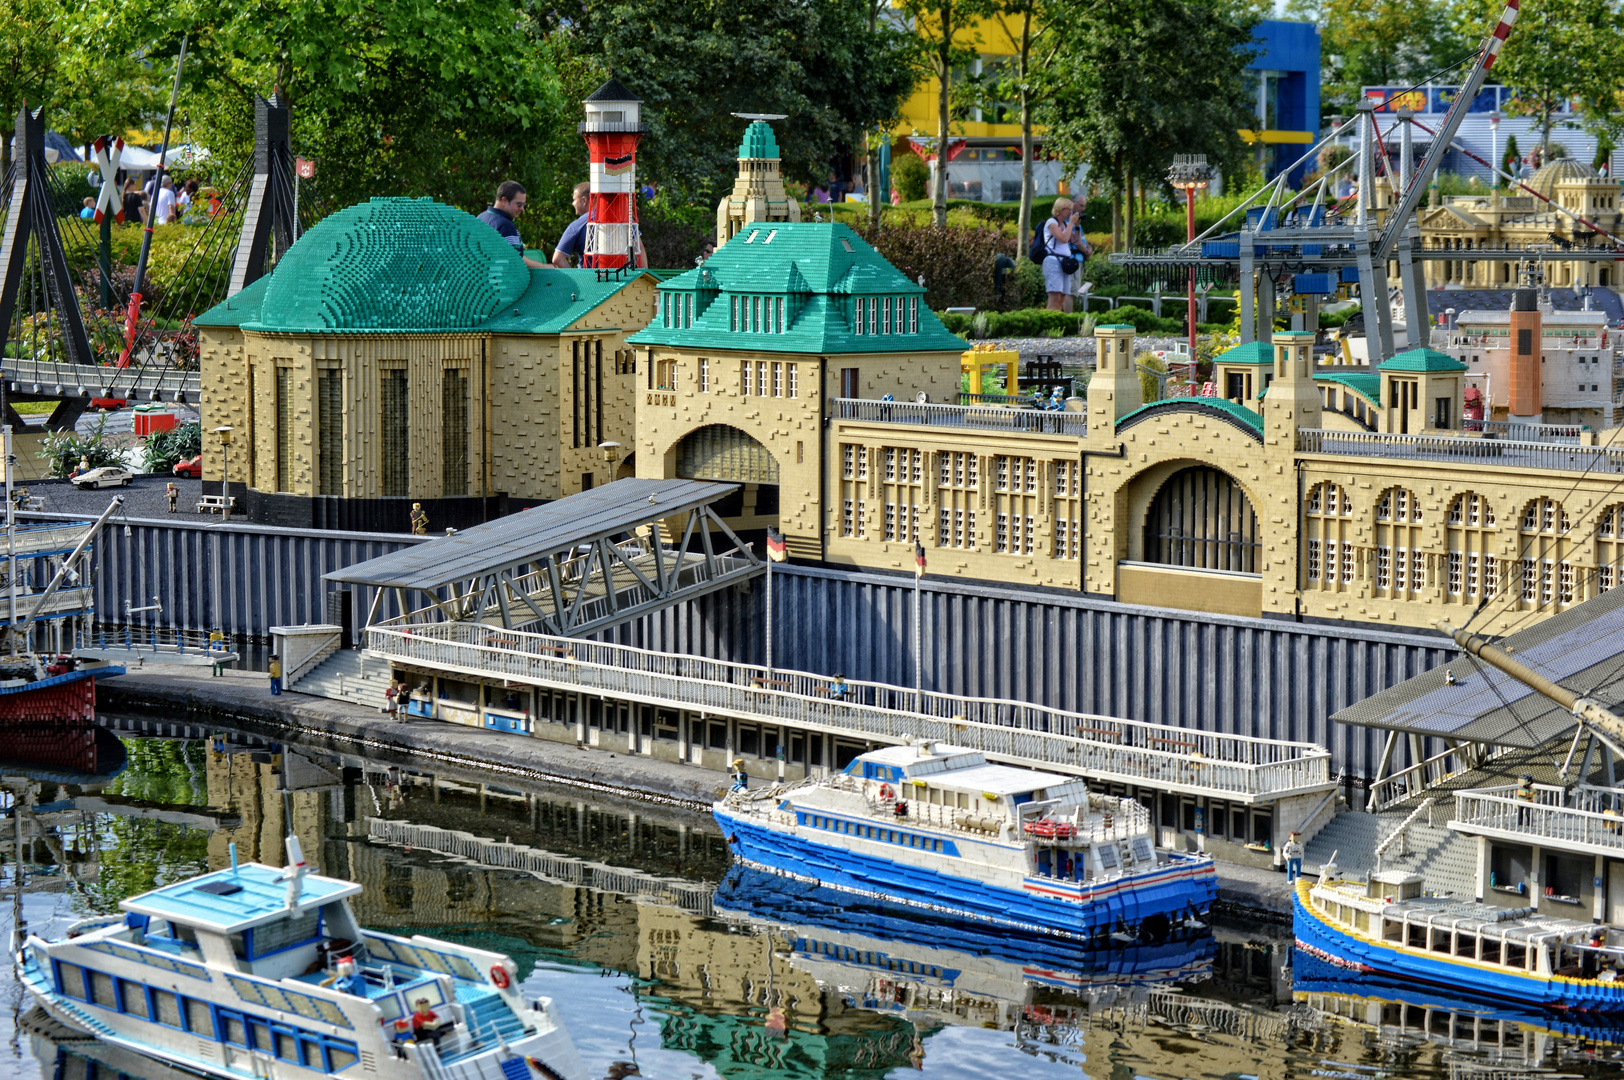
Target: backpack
<point x="1040" y="244"/>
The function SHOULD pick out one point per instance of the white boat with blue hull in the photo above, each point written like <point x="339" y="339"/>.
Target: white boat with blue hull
<point x="941" y="828"/>
<point x="255" y="971"/>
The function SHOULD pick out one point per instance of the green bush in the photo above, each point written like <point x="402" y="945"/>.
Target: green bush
<point x="910" y="176"/>
<point x="1144" y="321"/>
<point x="1028" y="283"/>
<point x="62" y="450"/>
<point x="164" y="449"/>
<point x="1104" y="274"/>
<point x="956" y="263"/>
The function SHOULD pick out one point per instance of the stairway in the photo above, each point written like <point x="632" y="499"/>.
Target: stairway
<point x="348" y="676"/>
<point x="1446" y="860"/>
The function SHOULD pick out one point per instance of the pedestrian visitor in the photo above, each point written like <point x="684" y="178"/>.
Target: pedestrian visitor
<point x="173" y="495"/>
<point x="135" y="202"/>
<point x="391" y="699"/>
<point x="88" y="212"/>
<point x="509" y="203"/>
<point x="1062" y="247"/>
<point x="165" y="202"/>
<point x="572" y="245"/>
<point x="183" y="198"/>
<point x="276" y="676"/>
<point x="1293" y="851"/>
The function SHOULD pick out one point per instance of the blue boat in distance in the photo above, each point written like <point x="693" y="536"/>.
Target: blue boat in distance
<point x="941" y="829"/>
<point x="1512" y="955"/>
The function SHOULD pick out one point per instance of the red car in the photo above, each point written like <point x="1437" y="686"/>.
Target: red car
<point x="192" y="466"/>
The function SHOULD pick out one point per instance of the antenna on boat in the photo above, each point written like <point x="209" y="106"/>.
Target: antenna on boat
<point x="233" y="847"/>
<point x="295" y="872"/>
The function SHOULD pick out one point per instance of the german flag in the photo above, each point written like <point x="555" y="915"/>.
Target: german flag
<point x="775" y="546"/>
<point x="919" y="560"/>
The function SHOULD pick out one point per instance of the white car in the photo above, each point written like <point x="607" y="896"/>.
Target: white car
<point x="106" y="476"/>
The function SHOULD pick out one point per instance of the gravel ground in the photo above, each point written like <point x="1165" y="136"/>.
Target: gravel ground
<point x="1072" y="351"/>
<point x="144" y="498"/>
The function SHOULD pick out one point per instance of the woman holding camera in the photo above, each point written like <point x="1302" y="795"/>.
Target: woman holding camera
<point x="1064" y="249"/>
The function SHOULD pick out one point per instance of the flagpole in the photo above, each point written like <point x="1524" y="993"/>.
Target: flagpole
<point x="918" y="634"/>
<point x="769" y="613"/>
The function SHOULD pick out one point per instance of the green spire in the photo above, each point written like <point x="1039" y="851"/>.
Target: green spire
<point x="758" y="141"/>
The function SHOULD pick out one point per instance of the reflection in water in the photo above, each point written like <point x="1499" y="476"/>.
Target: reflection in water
<point x="662" y="959"/>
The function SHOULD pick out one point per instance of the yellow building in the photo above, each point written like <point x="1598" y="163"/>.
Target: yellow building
<point x="403" y="351"/>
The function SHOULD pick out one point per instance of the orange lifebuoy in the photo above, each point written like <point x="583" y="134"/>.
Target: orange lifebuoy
<point x="499" y="976"/>
<point x="885" y="791"/>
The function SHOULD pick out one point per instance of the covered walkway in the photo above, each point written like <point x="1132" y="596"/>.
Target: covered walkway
<point x="569" y="568"/>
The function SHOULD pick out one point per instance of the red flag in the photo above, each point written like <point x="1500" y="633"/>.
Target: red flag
<point x="775" y="546"/>
<point x="919" y="560"/>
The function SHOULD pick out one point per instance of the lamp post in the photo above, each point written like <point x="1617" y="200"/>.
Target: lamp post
<point x="1190" y="173"/>
<point x="224" y="431"/>
<point x="1494" y="148"/>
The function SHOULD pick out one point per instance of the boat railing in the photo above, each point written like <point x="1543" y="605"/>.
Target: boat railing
<point x="1590" y="818"/>
<point x="1109" y="747"/>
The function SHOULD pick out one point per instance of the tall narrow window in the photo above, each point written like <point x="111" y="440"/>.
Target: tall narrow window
<point x="454" y="432"/>
<point x="794" y="379"/>
<point x="778" y="315"/>
<point x="874" y="314"/>
<point x="394" y="443"/>
<point x="861" y="306"/>
<point x="284" y="429"/>
<point x="885" y="322"/>
<point x="733" y="313"/>
<point x="704" y="375"/>
<point x="913" y="314"/>
<point x="330" y="432"/>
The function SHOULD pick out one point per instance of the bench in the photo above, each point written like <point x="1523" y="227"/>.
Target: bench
<point x="216" y="504"/>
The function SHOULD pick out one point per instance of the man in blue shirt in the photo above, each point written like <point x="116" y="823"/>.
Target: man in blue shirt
<point x="572" y="245"/>
<point x="509" y="204"/>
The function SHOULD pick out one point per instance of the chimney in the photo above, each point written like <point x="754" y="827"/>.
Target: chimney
<point x="1525" y="357"/>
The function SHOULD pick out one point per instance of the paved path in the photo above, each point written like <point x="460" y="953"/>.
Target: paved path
<point x="1243" y="891"/>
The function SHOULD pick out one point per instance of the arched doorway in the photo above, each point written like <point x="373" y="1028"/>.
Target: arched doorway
<point x="1201" y="518"/>
<point x="723" y="452"/>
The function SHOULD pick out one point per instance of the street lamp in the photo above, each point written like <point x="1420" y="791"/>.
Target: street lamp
<point x="1190" y="173"/>
<point x="224" y="431"/>
<point x="1494" y="148"/>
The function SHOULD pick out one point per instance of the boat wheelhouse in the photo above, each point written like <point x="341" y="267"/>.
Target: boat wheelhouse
<point x="943" y="828"/>
<point x="264" y="972"/>
<point x="1386" y="926"/>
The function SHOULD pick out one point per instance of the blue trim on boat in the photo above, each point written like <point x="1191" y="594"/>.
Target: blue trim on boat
<point x="1319" y="937"/>
<point x="1186" y="885"/>
<point x="64" y="679"/>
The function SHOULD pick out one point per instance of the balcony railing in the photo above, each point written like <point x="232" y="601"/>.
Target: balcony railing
<point x="1589" y="819"/>
<point x="1467" y="449"/>
<point x="1128" y="751"/>
<point x="987" y="417"/>
<point x="1505" y="429"/>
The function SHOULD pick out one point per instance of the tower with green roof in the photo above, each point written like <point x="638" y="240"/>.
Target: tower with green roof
<point x="758" y="193"/>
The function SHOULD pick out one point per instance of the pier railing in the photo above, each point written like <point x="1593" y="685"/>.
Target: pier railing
<point x="1128" y="751"/>
<point x="989" y="417"/>
<point x="1586" y="818"/>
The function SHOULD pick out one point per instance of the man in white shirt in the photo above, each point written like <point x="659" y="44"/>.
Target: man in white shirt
<point x="165" y="207"/>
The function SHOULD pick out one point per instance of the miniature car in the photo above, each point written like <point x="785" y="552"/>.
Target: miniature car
<point x="106" y="476"/>
<point x="192" y="466"/>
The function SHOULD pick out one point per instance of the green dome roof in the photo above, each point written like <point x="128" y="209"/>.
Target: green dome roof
<point x="394" y="264"/>
<point x="758" y="141"/>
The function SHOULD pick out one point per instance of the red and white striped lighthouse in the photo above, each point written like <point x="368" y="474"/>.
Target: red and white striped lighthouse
<point x="612" y="130"/>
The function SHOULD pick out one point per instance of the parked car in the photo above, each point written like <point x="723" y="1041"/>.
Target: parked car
<point x="106" y="476"/>
<point x="192" y="466"/>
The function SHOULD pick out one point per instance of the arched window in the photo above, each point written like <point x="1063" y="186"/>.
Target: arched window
<point x="1609" y="547"/>
<point x="1328" y="538"/>
<point x="1401" y="567"/>
<point x="1473" y="573"/>
<point x="1545" y="569"/>
<point x="1201" y="517"/>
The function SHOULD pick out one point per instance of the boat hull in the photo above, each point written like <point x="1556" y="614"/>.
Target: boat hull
<point x="1145" y="904"/>
<point x="1356" y="953"/>
<point x="69" y="697"/>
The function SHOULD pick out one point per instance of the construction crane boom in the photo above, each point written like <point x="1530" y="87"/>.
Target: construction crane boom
<point x="1411" y="199"/>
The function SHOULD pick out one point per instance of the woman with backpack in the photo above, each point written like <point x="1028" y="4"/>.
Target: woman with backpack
<point x="1060" y="243"/>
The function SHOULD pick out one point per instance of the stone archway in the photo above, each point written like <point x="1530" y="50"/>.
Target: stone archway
<point x="723" y="452"/>
<point x="1201" y="517"/>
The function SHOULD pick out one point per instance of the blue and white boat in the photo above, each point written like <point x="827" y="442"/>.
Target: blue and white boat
<point x="1386" y="927"/>
<point x="943" y="829"/>
<point x="255" y="971"/>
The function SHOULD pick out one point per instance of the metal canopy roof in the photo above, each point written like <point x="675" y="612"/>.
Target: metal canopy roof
<point x="1582" y="648"/>
<point x="531" y="535"/>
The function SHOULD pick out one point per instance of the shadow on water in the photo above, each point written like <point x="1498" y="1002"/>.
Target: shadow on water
<point x="667" y="962"/>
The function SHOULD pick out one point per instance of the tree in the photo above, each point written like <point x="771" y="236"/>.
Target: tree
<point x="1560" y="51"/>
<point x="828" y="65"/>
<point x="1025" y="26"/>
<point x="944" y="28"/>
<point x="1131" y="86"/>
<point x="1381" y="43"/>
<point x="29" y="54"/>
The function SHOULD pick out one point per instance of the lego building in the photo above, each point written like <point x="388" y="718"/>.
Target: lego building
<point x="402" y="351"/>
<point x="758" y="193"/>
<point x="1498" y="219"/>
<point x="1571" y="373"/>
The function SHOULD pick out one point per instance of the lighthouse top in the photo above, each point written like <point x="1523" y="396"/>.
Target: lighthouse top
<point x="612" y="108"/>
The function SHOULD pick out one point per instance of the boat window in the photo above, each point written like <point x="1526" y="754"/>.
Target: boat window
<point x="1516" y="955"/>
<point x="339" y="1054"/>
<point x="133" y="998"/>
<point x="1022" y="797"/>
<point x="1466" y="945"/>
<point x="284" y="1044"/>
<point x="101" y="989"/>
<point x="288" y="933"/>
<point x="70" y="981"/>
<point x="1416" y="936"/>
<point x="260" y="1033"/>
<point x="232" y="1028"/>
<point x="165" y="1008"/>
<point x="198" y="1020"/>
